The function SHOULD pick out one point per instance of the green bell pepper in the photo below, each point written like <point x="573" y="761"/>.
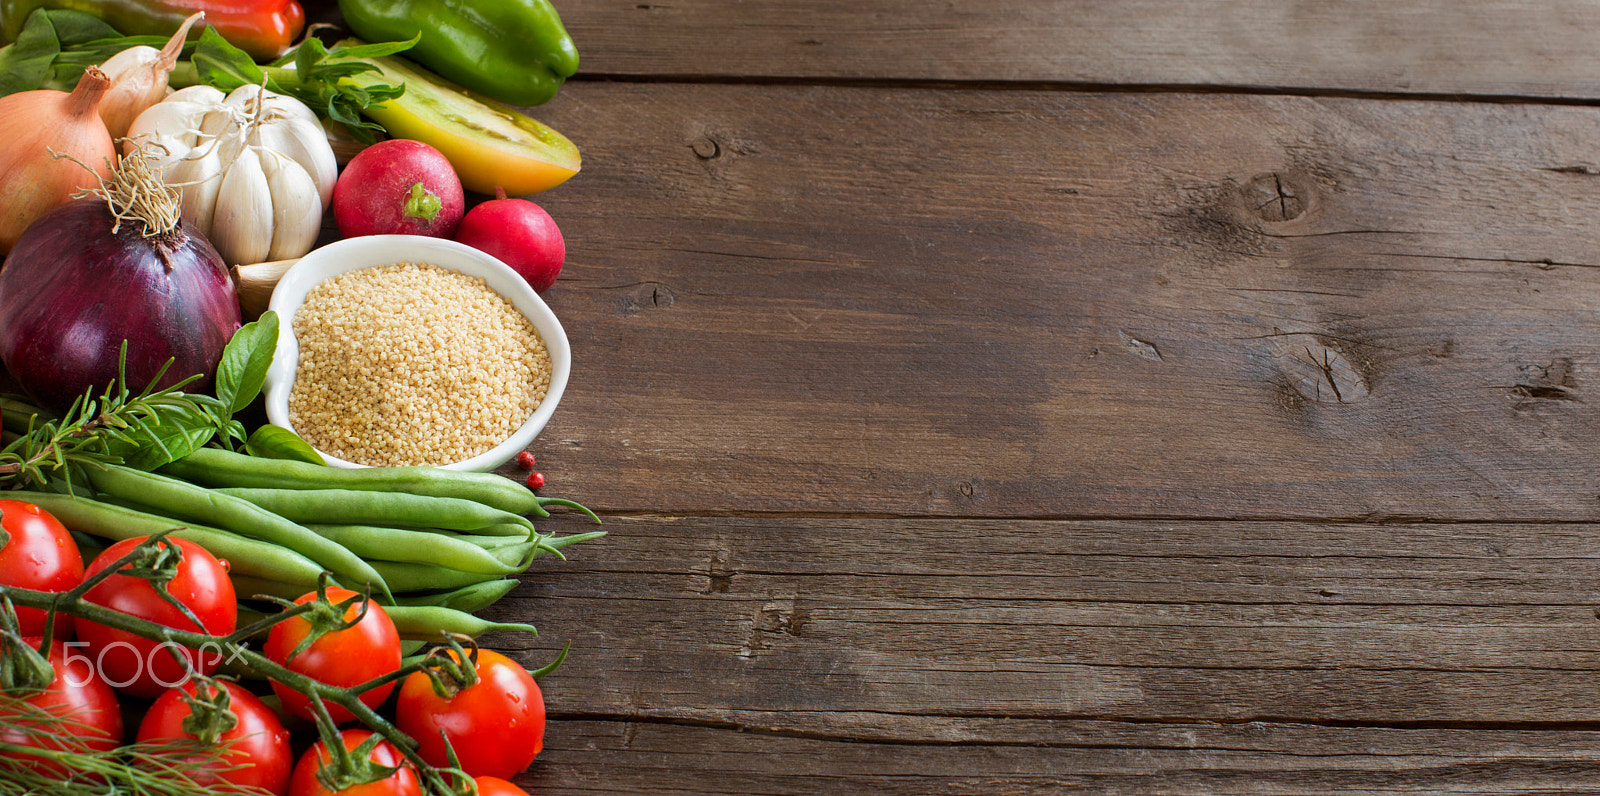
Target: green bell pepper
<point x="514" y="51"/>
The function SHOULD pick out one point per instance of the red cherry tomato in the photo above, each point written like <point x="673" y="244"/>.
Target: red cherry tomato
<point x="496" y="726"/>
<point x="76" y="694"/>
<point x="258" y="755"/>
<point x="495" y="786"/>
<point x="144" y="667"/>
<point x="403" y="782"/>
<point x="40" y="555"/>
<point x="340" y="658"/>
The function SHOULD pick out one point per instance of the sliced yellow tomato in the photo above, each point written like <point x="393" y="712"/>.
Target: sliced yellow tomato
<point x="490" y="144"/>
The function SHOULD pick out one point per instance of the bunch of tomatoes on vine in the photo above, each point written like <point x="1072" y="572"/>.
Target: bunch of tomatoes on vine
<point x="156" y="618"/>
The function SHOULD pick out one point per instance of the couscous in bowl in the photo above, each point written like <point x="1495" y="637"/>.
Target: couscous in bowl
<point x="338" y="262"/>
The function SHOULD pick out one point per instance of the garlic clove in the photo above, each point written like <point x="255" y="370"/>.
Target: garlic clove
<point x="296" y="208"/>
<point x="130" y="72"/>
<point x="139" y="79"/>
<point x="305" y="144"/>
<point x="281" y="105"/>
<point x="173" y="123"/>
<point x="198" y="177"/>
<point x="200" y="95"/>
<point x="242" y="227"/>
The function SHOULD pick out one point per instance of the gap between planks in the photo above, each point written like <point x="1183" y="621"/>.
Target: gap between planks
<point x="1080" y="87"/>
<point x="1265" y="722"/>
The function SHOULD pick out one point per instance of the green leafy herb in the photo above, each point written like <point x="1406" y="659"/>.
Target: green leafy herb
<point x="25" y="65"/>
<point x="277" y="442"/>
<point x="311" y="73"/>
<point x="144" y="429"/>
<point x="56" y="45"/>
<point x="225" y="66"/>
<point x="177" y="436"/>
<point x="245" y="360"/>
<point x="75" y="28"/>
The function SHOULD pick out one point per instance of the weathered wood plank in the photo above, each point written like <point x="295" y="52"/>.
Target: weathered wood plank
<point x="995" y="757"/>
<point x="1494" y="47"/>
<point x="1032" y="303"/>
<point x="808" y="621"/>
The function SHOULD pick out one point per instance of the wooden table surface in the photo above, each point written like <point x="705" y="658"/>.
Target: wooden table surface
<point x="1037" y="397"/>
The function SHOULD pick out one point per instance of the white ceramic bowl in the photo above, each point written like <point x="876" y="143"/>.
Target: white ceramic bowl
<point x="374" y="250"/>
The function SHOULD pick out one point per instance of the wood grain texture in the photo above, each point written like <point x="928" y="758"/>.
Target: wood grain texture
<point x="1009" y="303"/>
<point x="808" y="622"/>
<point x="1488" y="47"/>
<point x="588" y="757"/>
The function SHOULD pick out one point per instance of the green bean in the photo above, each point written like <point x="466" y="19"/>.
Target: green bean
<point x="571" y="504"/>
<point x="471" y="599"/>
<point x="563" y="542"/>
<point x="220" y="468"/>
<point x="489" y="542"/>
<point x="356" y="507"/>
<point x="418" y="547"/>
<point x="515" y="556"/>
<point x="244" y="556"/>
<point x="503" y="529"/>
<point x="408" y="578"/>
<point x="18" y="414"/>
<point x="247" y="586"/>
<point x="429" y="621"/>
<point x="405" y="577"/>
<point x="90" y="547"/>
<point x="518" y="555"/>
<point x="196" y="503"/>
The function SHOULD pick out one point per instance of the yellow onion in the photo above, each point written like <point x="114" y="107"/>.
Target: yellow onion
<point x="52" y="145"/>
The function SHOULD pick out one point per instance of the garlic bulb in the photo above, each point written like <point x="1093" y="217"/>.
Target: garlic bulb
<point x="254" y="167"/>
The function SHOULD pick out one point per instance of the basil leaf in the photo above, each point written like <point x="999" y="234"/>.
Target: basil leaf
<point x="174" y="439"/>
<point x="245" y="360"/>
<point x="222" y="65"/>
<point x="76" y="27"/>
<point x="25" y="64"/>
<point x="277" y="442"/>
<point x="150" y="441"/>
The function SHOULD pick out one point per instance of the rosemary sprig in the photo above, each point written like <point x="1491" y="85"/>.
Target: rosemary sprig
<point x="119" y="427"/>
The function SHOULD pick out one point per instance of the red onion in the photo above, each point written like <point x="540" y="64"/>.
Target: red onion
<point x="83" y="278"/>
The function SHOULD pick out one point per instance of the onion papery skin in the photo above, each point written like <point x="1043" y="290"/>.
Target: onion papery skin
<point x="72" y="290"/>
<point x="32" y="125"/>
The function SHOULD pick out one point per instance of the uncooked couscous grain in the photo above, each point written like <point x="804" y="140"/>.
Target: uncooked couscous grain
<point x="413" y="364"/>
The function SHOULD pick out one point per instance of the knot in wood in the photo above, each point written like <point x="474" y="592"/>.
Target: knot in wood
<point x="648" y="296"/>
<point x="705" y="147"/>
<point x="1319" y="372"/>
<point x="1275" y="197"/>
<point x="1547" y="381"/>
<point x="1140" y="348"/>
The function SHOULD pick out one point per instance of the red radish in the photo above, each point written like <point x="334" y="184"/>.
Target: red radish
<point x="521" y="234"/>
<point x="398" y="187"/>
